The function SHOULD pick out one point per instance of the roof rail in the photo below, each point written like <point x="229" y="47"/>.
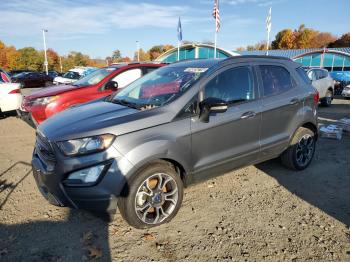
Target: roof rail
<point x="259" y="57"/>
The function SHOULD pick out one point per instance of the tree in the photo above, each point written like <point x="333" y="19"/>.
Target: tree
<point x="53" y="60"/>
<point x="29" y="58"/>
<point x="323" y="39"/>
<point x="305" y="36"/>
<point x="116" y="56"/>
<point x="343" y="41"/>
<point x="285" y="39"/>
<point x="144" y="56"/>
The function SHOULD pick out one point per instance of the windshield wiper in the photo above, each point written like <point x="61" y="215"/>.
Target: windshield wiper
<point x="237" y="101"/>
<point x="124" y="102"/>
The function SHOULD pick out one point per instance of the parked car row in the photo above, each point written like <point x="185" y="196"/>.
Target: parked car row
<point x="135" y="148"/>
<point x="73" y="75"/>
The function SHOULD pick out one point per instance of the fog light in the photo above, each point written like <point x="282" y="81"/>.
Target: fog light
<point x="88" y="175"/>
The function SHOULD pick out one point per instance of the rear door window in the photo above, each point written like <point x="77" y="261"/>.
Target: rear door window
<point x="231" y="85"/>
<point x="276" y="79"/>
<point x="127" y="77"/>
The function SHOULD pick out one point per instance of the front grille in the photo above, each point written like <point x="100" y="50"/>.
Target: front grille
<point x="44" y="150"/>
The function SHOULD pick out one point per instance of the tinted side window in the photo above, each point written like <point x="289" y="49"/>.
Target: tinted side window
<point x="232" y="84"/>
<point x="276" y="79"/>
<point x="301" y="72"/>
<point x="149" y="69"/>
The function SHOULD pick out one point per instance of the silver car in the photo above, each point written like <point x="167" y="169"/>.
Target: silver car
<point x="324" y="84"/>
<point x="180" y="124"/>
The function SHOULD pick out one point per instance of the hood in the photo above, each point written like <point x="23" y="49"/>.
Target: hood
<point x="100" y="117"/>
<point x="52" y="91"/>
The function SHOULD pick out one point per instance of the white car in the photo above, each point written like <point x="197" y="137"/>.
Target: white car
<point x="73" y="75"/>
<point x="346" y="92"/>
<point x="10" y="96"/>
<point x="324" y="84"/>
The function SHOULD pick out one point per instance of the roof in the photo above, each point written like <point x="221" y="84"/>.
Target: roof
<point x="196" y="63"/>
<point x="293" y="53"/>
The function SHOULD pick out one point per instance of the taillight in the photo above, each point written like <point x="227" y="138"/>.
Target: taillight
<point x="15" y="91"/>
<point x="316" y="97"/>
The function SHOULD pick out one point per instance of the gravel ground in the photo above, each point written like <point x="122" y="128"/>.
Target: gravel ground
<point x="259" y="213"/>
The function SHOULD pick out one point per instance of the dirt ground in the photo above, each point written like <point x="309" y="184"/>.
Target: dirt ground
<point x="259" y="213"/>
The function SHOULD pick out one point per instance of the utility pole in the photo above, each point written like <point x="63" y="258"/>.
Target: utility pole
<point x="61" y="64"/>
<point x="45" y="63"/>
<point x="138" y="50"/>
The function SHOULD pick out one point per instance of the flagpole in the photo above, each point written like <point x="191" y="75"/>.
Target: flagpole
<point x="215" y="37"/>
<point x="268" y="41"/>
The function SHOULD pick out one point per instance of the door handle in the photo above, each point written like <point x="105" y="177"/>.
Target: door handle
<point x="248" y="115"/>
<point x="294" y="101"/>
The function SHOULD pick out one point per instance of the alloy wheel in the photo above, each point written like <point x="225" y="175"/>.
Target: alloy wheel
<point x="305" y="150"/>
<point x="156" y="198"/>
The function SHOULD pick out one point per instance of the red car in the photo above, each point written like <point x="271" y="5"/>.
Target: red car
<point x="46" y="102"/>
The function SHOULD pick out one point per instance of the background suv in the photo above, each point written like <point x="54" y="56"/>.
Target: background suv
<point x="46" y="102"/>
<point x="324" y="84"/>
<point x="179" y="124"/>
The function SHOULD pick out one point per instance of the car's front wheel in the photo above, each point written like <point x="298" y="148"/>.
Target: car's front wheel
<point x="300" y="152"/>
<point x="152" y="197"/>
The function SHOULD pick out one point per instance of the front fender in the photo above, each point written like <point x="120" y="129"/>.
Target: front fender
<point x="154" y="150"/>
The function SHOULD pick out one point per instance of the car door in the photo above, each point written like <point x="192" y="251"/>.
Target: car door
<point x="230" y="139"/>
<point x="282" y="99"/>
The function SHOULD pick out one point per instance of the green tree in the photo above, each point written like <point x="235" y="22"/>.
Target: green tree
<point x="116" y="56"/>
<point x="29" y="58"/>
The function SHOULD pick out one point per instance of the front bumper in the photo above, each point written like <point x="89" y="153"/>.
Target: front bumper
<point x="27" y="117"/>
<point x="100" y="197"/>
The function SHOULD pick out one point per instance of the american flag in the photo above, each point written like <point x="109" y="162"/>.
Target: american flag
<point x="216" y="15"/>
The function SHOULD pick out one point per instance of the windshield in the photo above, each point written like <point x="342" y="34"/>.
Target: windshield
<point x="158" y="87"/>
<point x="21" y="74"/>
<point x="71" y="75"/>
<point x="95" y="77"/>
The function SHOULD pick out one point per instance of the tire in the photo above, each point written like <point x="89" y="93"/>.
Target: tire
<point x="292" y="157"/>
<point x="143" y="204"/>
<point x="48" y="83"/>
<point x="327" y="100"/>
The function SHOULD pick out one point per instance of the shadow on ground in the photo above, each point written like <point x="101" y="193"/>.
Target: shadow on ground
<point x="326" y="183"/>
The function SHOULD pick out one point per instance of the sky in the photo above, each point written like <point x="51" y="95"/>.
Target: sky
<point x="98" y="27"/>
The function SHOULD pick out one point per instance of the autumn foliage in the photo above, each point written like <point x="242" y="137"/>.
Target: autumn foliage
<point x="29" y="58"/>
<point x="302" y="37"/>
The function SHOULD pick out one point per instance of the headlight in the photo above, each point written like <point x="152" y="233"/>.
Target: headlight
<point x="44" y="100"/>
<point x="86" y="145"/>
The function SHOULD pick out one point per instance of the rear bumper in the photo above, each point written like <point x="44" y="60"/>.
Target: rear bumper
<point x="27" y="117"/>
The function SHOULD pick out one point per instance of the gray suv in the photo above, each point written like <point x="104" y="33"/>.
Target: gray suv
<point x="180" y="124"/>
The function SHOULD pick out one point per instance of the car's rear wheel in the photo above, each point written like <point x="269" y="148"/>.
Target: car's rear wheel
<point x="327" y="100"/>
<point x="300" y="152"/>
<point x="152" y="197"/>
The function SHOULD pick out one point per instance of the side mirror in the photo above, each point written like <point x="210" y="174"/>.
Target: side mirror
<point x="211" y="105"/>
<point x="111" y="85"/>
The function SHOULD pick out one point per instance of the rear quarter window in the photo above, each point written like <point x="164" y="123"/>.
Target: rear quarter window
<point x="276" y="79"/>
<point x="301" y="72"/>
